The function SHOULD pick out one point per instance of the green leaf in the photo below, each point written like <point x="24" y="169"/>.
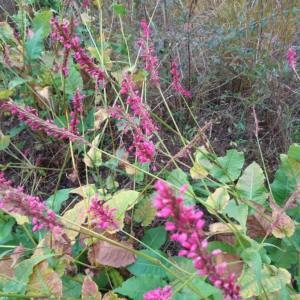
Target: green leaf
<point x="41" y="22"/>
<point x="6" y="225"/>
<point x="72" y="287"/>
<point x="34" y="46"/>
<point x="251" y="184"/>
<point x="217" y="201"/>
<point x="178" y="178"/>
<point x="144" y="211"/>
<point x="288" y="175"/>
<point x="74" y="80"/>
<point x="155" y="237"/>
<point x="239" y="212"/>
<point x="228" y="168"/>
<point x="143" y="266"/>
<point x="55" y="201"/>
<point x="16" y="82"/>
<point x="4" y="142"/>
<point x="122" y="201"/>
<point x="119" y="9"/>
<point x="136" y="287"/>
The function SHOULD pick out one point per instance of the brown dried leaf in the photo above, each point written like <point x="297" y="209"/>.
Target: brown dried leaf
<point x="6" y="270"/>
<point x="100" y="116"/>
<point x="44" y="281"/>
<point x="282" y="225"/>
<point x="234" y="263"/>
<point x="89" y="290"/>
<point x="103" y="253"/>
<point x="223" y="232"/>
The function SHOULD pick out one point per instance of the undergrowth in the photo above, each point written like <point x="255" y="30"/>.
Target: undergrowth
<point x="149" y="150"/>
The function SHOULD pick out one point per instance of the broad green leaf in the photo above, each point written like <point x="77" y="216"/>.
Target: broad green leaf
<point x="252" y="258"/>
<point x="239" y="212"/>
<point x="143" y="266"/>
<point x="178" y="178"/>
<point x="251" y="184"/>
<point x="155" y="237"/>
<point x="122" y="201"/>
<point x="228" y="168"/>
<point x="6" y="225"/>
<point x="287" y="176"/>
<point x="55" y="201"/>
<point x="34" y="45"/>
<point x="74" y="80"/>
<point x="273" y="279"/>
<point x="41" y="21"/>
<point x="217" y="201"/>
<point x="72" y="286"/>
<point x="136" y="287"/>
<point x="4" y="141"/>
<point x="93" y="157"/>
<point x="17" y="82"/>
<point x="144" y="211"/>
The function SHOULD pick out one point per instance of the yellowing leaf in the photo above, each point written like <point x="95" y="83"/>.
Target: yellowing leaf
<point x="89" y="290"/>
<point x="112" y="296"/>
<point x="100" y="116"/>
<point x="85" y="191"/>
<point x="94" y="155"/>
<point x="144" y="212"/>
<point x="5" y="94"/>
<point x="198" y="171"/>
<point x="74" y="218"/>
<point x="218" y="200"/>
<point x="122" y="201"/>
<point x="103" y="253"/>
<point x="44" y="281"/>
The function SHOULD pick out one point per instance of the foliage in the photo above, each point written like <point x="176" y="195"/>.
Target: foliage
<point x="140" y="120"/>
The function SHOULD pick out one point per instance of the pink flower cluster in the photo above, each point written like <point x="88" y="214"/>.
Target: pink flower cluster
<point x="77" y="103"/>
<point x="63" y="33"/>
<point x="291" y="56"/>
<point x="186" y="227"/>
<point x="139" y="122"/>
<point x="102" y="215"/>
<point x="30" y="116"/>
<point x="176" y="81"/>
<point x="164" y="293"/>
<point x="148" y="53"/>
<point x="16" y="201"/>
<point x="85" y="3"/>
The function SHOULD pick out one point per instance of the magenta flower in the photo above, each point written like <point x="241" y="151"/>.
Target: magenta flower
<point x="17" y="201"/>
<point x="77" y="103"/>
<point x="63" y="33"/>
<point x="30" y="116"/>
<point x="148" y="54"/>
<point x="164" y="293"/>
<point x="134" y="101"/>
<point x="186" y="226"/>
<point x="85" y="3"/>
<point x="291" y="56"/>
<point x="176" y="81"/>
<point x="101" y="214"/>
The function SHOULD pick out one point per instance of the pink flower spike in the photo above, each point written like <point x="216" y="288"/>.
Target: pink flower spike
<point x="145" y="28"/>
<point x="176" y="81"/>
<point x="292" y="57"/>
<point x="164" y="293"/>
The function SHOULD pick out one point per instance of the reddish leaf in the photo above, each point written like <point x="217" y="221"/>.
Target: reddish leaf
<point x="44" y="281"/>
<point x="89" y="290"/>
<point x="103" y="253"/>
<point x="18" y="252"/>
